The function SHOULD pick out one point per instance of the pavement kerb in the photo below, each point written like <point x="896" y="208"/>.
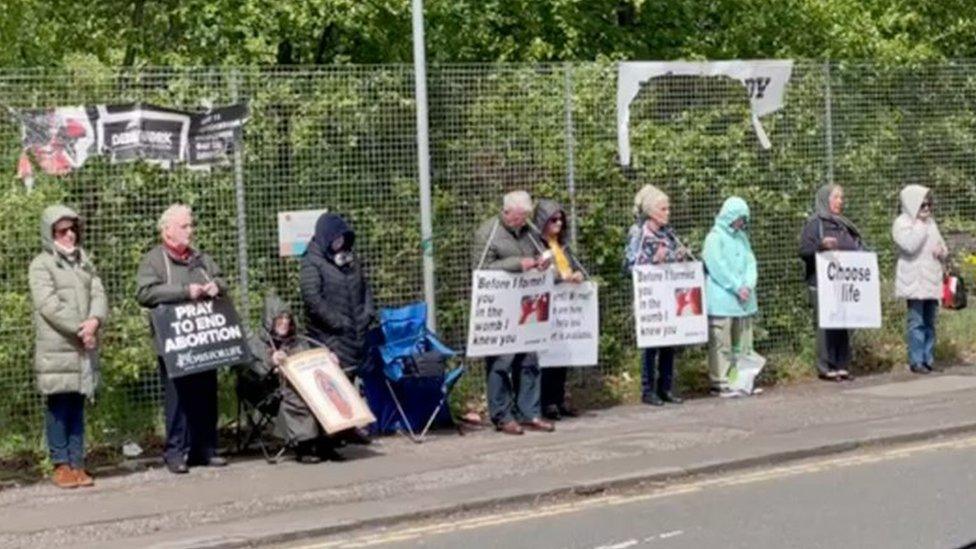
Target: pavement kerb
<point x="595" y="487"/>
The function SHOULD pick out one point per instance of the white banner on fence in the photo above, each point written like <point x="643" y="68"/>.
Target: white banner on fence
<point x="509" y="312"/>
<point x="669" y="304"/>
<point x="295" y="230"/>
<point x="765" y="82"/>
<point x="575" y="339"/>
<point x="848" y="290"/>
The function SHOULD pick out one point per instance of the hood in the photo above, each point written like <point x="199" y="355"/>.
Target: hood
<point x="912" y="197"/>
<point x="544" y="210"/>
<point x="329" y="227"/>
<point x="50" y="216"/>
<point x="733" y="208"/>
<point x="273" y="308"/>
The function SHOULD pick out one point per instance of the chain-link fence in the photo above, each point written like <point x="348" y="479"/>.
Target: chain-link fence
<point x="343" y="138"/>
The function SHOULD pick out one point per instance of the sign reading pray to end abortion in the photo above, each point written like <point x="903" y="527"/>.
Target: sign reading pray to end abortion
<point x="669" y="304"/>
<point x="199" y="336"/>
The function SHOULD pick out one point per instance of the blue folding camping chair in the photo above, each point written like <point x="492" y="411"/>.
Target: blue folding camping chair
<point x="408" y="373"/>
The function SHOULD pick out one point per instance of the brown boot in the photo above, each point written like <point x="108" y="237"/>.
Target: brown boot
<point x="64" y="477"/>
<point x="539" y="424"/>
<point x="509" y="428"/>
<point x="83" y="478"/>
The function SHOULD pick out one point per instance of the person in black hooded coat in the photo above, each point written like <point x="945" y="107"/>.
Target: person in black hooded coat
<point x="337" y="297"/>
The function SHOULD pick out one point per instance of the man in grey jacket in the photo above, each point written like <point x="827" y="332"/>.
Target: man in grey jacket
<point x="175" y="272"/>
<point x="506" y="243"/>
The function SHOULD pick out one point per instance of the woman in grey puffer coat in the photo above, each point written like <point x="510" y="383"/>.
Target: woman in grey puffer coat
<point x="918" y="275"/>
<point x="69" y="309"/>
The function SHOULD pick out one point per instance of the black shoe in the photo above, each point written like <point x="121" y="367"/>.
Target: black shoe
<point x="652" y="400"/>
<point x="330" y="454"/>
<point x="308" y="459"/>
<point x="358" y="436"/>
<point x="551" y="412"/>
<point x="919" y="369"/>
<point x="567" y="412"/>
<point x="671" y="397"/>
<point x="177" y="467"/>
<point x="928" y="367"/>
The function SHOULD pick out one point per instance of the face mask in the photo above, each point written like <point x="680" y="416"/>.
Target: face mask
<point x="343" y="258"/>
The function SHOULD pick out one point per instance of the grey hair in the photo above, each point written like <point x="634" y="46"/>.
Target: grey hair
<point x="517" y="200"/>
<point x="167" y="217"/>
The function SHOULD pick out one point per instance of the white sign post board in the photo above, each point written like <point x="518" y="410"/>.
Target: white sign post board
<point x="509" y="312"/>
<point x="848" y="290"/>
<point x="669" y="304"/>
<point x="295" y="230"/>
<point x="575" y="338"/>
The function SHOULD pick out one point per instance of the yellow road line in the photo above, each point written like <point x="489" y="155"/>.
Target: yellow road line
<point x="739" y="479"/>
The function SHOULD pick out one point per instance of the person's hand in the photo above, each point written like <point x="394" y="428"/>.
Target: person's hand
<point x="90" y="341"/>
<point x="543" y="263"/>
<point x="211" y="289"/>
<point x="660" y="254"/>
<point x="576" y="277"/>
<point x="335" y="358"/>
<point x="88" y="328"/>
<point x="682" y="253"/>
<point x="743" y="294"/>
<point x="196" y="291"/>
<point x="278" y="358"/>
<point x="940" y="252"/>
<point x="828" y="243"/>
<point x="528" y="263"/>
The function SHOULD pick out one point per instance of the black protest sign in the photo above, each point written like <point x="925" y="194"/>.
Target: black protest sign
<point x="198" y="336"/>
<point x="215" y="135"/>
<point x="135" y="131"/>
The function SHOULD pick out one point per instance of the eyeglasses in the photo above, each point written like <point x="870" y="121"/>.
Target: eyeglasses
<point x="927" y="205"/>
<point x="64" y="230"/>
<point x="556" y="220"/>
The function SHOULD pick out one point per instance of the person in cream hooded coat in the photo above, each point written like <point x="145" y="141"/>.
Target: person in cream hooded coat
<point x="918" y="275"/>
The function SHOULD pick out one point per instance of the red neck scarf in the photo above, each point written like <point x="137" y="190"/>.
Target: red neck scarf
<point x="179" y="253"/>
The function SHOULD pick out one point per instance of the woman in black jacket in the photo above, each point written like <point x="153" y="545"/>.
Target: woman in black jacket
<point x="338" y="300"/>
<point x="828" y="229"/>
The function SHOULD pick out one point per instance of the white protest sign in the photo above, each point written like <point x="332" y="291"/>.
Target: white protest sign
<point x="575" y="339"/>
<point x="765" y="82"/>
<point x="509" y="312"/>
<point x="295" y="230"/>
<point x="669" y="304"/>
<point x="848" y="290"/>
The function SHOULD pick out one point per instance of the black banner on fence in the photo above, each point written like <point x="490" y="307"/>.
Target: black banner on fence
<point x="132" y="132"/>
<point x="199" y="336"/>
<point x="215" y="135"/>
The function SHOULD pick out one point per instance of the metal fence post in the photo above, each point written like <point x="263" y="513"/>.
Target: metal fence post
<point x="828" y="123"/>
<point x="242" y="264"/>
<point x="570" y="150"/>
<point x="423" y="162"/>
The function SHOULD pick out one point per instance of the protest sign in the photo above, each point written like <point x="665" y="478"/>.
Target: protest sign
<point x="327" y="391"/>
<point x="215" y="135"/>
<point x="575" y="338"/>
<point x="669" y="304"/>
<point x="848" y="290"/>
<point x="199" y="336"/>
<point x="135" y="131"/>
<point x="295" y="231"/>
<point x="509" y="312"/>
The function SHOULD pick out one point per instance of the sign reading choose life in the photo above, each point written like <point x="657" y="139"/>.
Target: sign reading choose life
<point x="198" y="336"/>
<point x="848" y="290"/>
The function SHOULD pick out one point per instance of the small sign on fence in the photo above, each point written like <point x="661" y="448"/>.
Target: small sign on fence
<point x="295" y="230"/>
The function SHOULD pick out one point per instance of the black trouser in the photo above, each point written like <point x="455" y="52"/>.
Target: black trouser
<point x="191" y="416"/>
<point x="554" y="386"/>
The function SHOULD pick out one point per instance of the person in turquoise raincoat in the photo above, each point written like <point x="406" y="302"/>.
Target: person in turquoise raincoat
<point x="730" y="291"/>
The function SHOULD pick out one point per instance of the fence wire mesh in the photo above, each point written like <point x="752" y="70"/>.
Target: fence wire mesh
<point x="343" y="138"/>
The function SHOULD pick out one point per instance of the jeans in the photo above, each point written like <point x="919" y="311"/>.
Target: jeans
<point x="513" y="388"/>
<point x="920" y="335"/>
<point x="64" y="426"/>
<point x="657" y="378"/>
